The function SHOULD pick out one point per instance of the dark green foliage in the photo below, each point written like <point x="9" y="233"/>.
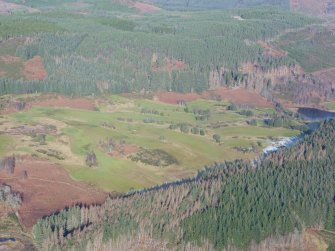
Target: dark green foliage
<point x="263" y="204"/>
<point x="118" y="23"/>
<point x="331" y="247"/>
<point x="114" y="55"/>
<point x="247" y="113"/>
<point x="312" y="48"/>
<point x="156" y="157"/>
<point x="149" y="120"/>
<point x="187" y="128"/>
<point x="201" y="114"/>
<point x="152" y="111"/>
<point x="232" y="107"/>
<point x="281" y="121"/>
<point x="20" y="27"/>
<point x="217" y="138"/>
<point x="91" y="159"/>
<point x="123" y="225"/>
<point x="51" y="45"/>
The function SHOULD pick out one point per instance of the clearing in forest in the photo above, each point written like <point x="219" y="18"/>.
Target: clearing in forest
<point x="121" y="135"/>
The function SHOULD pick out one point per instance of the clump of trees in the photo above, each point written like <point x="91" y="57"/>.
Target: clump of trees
<point x="10" y="198"/>
<point x="155" y="157"/>
<point x="247" y="113"/>
<point x="232" y="107"/>
<point x="201" y="114"/>
<point x="187" y="128"/>
<point x="91" y="159"/>
<point x="20" y="105"/>
<point x="151" y="111"/>
<point x="217" y="138"/>
<point x="8" y="164"/>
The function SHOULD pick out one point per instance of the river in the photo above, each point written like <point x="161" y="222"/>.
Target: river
<point x="315" y="114"/>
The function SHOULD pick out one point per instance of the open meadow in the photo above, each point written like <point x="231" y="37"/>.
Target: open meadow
<point x="137" y="142"/>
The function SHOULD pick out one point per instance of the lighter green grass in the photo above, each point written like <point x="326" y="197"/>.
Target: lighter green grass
<point x="255" y="131"/>
<point x="5" y="144"/>
<point x="84" y="131"/>
<point x="331" y="105"/>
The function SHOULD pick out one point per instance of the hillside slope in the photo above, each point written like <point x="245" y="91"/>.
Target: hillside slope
<point x="227" y="205"/>
<point x="218" y="4"/>
<point x="314" y="7"/>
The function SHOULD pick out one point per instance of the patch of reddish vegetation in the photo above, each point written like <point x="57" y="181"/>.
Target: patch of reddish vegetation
<point x="315" y="7"/>
<point x="47" y="188"/>
<point x="34" y="69"/>
<point x="2" y="73"/>
<point x="60" y="101"/>
<point x="174" y="65"/>
<point x="170" y="64"/>
<point x="326" y="75"/>
<point x="238" y="96"/>
<point x="4" y="209"/>
<point x="8" y="59"/>
<point x="53" y="101"/>
<point x="124" y="150"/>
<point x="242" y="96"/>
<point x="6" y="8"/>
<point x="270" y="51"/>
<point x="145" y="7"/>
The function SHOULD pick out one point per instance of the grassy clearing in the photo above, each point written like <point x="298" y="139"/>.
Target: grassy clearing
<point x="5" y="144"/>
<point x="331" y="105"/>
<point x="124" y="119"/>
<point x="255" y="131"/>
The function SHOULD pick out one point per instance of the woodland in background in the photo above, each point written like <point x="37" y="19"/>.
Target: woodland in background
<point x="185" y="53"/>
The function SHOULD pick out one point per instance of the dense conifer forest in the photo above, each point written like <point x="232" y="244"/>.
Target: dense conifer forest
<point x="110" y="54"/>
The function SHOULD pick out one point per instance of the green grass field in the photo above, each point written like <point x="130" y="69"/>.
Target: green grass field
<point x="80" y="131"/>
<point x="331" y="106"/>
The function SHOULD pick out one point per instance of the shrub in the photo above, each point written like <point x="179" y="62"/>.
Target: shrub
<point x="217" y="138"/>
<point x="232" y="107"/>
<point x="91" y="159"/>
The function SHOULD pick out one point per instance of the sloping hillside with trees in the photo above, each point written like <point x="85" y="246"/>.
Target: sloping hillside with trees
<point x="232" y="204"/>
<point x="113" y="51"/>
